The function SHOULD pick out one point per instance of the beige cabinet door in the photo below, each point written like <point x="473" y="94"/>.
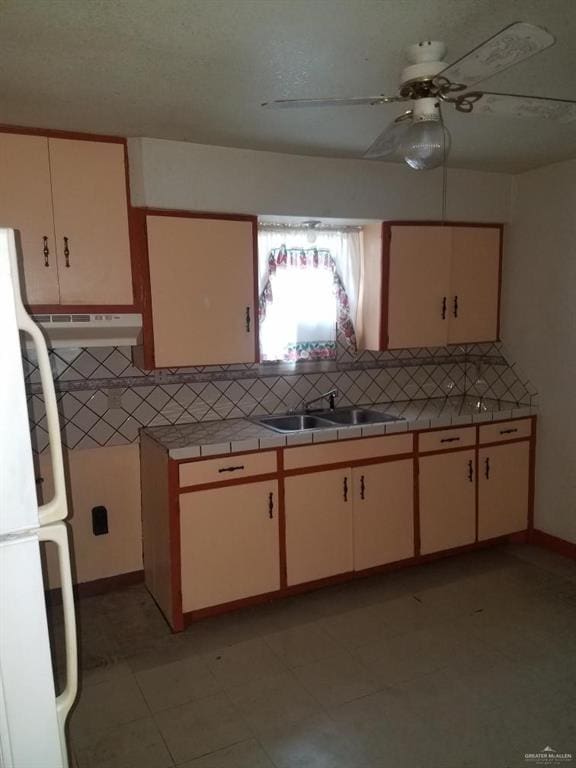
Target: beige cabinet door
<point x="26" y="205"/>
<point x="319" y="539"/>
<point x="504" y="475"/>
<point x="474" y="285"/>
<point x="229" y="544"/>
<point x="447" y="501"/>
<point x="419" y="284"/>
<point x="202" y="288"/>
<point x="383" y="513"/>
<point x="91" y="222"/>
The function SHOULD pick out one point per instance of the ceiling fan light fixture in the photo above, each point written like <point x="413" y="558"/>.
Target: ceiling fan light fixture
<point x="425" y="145"/>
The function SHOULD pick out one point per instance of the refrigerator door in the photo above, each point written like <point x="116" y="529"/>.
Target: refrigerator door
<point x="30" y="731"/>
<point x="14" y="318"/>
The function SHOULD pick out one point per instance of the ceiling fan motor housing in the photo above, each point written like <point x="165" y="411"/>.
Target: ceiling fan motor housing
<point x="426" y="61"/>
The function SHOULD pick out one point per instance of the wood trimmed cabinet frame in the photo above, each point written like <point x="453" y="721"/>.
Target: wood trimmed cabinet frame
<point x="147" y="353"/>
<point x="377" y="270"/>
<point x="162" y="489"/>
<point x="137" y="283"/>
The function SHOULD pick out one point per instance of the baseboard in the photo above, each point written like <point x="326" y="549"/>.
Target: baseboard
<point x="553" y="543"/>
<point x="98" y="586"/>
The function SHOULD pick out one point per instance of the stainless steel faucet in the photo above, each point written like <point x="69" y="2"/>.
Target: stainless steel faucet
<point x="330" y="396"/>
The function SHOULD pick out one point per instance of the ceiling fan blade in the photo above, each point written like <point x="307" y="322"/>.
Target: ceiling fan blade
<point x="351" y="102"/>
<point x="516" y="105"/>
<point x="387" y="143"/>
<point x="510" y="46"/>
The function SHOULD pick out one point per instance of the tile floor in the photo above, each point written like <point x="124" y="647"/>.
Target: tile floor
<point x="468" y="662"/>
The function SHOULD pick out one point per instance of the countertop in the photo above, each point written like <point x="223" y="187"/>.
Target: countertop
<point x="210" y="438"/>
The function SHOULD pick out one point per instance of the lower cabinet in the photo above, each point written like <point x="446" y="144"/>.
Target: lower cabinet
<point x="229" y="544"/>
<point x="447" y="500"/>
<point x="503" y="495"/>
<point x="383" y="513"/>
<point x="318" y="525"/>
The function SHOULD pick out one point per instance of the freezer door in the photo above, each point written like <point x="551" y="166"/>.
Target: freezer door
<point x="30" y="731"/>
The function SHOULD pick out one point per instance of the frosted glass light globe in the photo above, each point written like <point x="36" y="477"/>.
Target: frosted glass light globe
<point x="425" y="144"/>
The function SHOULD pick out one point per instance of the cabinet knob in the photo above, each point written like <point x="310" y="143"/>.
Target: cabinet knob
<point x="46" y="251"/>
<point x="66" y="252"/>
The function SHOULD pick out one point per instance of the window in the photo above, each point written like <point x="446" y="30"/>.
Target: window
<point x="308" y="292"/>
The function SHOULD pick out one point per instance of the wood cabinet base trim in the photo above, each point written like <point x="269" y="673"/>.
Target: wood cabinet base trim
<point x="97" y="586"/>
<point x="553" y="543"/>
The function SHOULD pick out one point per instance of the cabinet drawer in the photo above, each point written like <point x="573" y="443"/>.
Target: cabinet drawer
<point x="227" y="468"/>
<point x="505" y="430"/>
<point x="446" y="439"/>
<point x="347" y="450"/>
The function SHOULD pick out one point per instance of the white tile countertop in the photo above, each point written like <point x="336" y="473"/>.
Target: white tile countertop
<point x="211" y="438"/>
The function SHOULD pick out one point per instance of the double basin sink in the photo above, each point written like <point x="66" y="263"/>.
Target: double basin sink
<point x="340" y="417"/>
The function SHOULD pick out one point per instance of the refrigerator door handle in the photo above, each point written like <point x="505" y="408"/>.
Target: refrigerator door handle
<point x="58" y="534"/>
<point x="57" y="507"/>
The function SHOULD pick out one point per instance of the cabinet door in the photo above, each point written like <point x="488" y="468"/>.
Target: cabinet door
<point x="504" y="472"/>
<point x="202" y="286"/>
<point x="91" y="221"/>
<point x="447" y="501"/>
<point x="229" y="544"/>
<point x="418" y="287"/>
<point x="474" y="290"/>
<point x="26" y="205"/>
<point x="318" y="525"/>
<point x="383" y="513"/>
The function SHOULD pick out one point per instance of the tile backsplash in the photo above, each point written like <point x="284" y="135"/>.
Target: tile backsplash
<point x="104" y="399"/>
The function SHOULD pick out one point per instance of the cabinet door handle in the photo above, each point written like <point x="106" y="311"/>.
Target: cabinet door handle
<point x="444" y="308"/>
<point x="345" y="489"/>
<point x="46" y="252"/>
<point x="66" y="252"/>
<point x="248" y="321"/>
<point x="470" y="471"/>
<point x="362" y="488"/>
<point x="508" y="431"/>
<point x="449" y="439"/>
<point x="231" y="469"/>
<point x="487" y="468"/>
<point x="270" y="505"/>
<point x="455" y="306"/>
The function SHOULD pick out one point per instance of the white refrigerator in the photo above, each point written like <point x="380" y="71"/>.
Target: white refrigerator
<point x="32" y="717"/>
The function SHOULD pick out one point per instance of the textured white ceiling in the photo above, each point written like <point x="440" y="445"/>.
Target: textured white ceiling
<point x="197" y="70"/>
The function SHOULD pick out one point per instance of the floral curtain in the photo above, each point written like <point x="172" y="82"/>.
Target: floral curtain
<point x="303" y="305"/>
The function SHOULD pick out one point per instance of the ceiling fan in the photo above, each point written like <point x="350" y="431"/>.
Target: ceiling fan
<point x="419" y="135"/>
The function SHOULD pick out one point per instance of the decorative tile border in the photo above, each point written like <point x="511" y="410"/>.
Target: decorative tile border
<point x="104" y="399"/>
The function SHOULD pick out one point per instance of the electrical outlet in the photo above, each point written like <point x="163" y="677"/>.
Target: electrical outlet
<point x="114" y="398"/>
<point x="99" y="521"/>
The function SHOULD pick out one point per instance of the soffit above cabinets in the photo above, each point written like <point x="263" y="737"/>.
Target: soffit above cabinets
<point x="197" y="70"/>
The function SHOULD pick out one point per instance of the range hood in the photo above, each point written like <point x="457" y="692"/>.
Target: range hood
<point x="85" y="330"/>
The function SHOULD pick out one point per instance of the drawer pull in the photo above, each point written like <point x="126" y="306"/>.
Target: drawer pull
<point x="248" y="320"/>
<point x="66" y="252"/>
<point x="362" y="488"/>
<point x="46" y="251"/>
<point x="449" y="439"/>
<point x="487" y="469"/>
<point x="470" y="471"/>
<point x="508" y="431"/>
<point x="231" y="469"/>
<point x="455" y="306"/>
<point x="270" y="505"/>
<point x="345" y="490"/>
<point x="444" y="308"/>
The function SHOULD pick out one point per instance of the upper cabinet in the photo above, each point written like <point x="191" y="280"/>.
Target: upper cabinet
<point x="430" y="285"/>
<point x="201" y="295"/>
<point x="69" y="200"/>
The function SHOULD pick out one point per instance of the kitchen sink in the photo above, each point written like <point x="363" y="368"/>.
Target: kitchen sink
<point x="299" y="422"/>
<point x="354" y="416"/>
<point x="294" y="422"/>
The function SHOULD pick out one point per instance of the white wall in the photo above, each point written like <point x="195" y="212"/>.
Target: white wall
<point x="539" y="329"/>
<point x="173" y="174"/>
